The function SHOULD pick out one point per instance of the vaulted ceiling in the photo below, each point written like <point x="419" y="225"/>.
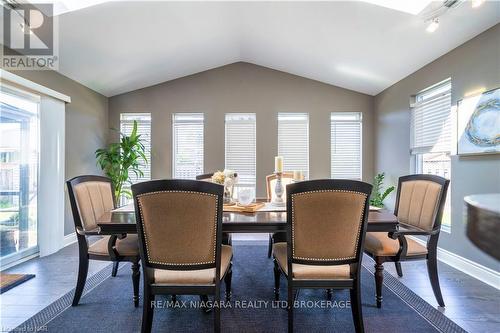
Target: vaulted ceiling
<point x="117" y="47"/>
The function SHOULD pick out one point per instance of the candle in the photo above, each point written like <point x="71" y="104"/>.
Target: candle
<point x="278" y="164"/>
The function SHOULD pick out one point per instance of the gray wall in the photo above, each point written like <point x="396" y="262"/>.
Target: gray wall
<point x="86" y="126"/>
<point x="244" y="87"/>
<point x="473" y="65"/>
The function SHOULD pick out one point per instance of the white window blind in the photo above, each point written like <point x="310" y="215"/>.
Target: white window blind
<point x="431" y="120"/>
<point x="346" y="145"/>
<point x="187" y="145"/>
<point x="241" y="146"/>
<point x="144" y="130"/>
<point x="293" y="141"/>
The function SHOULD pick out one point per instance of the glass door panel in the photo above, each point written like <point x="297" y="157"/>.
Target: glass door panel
<point x="19" y="153"/>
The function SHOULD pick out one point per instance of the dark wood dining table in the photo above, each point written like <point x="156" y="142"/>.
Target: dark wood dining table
<point x="123" y="222"/>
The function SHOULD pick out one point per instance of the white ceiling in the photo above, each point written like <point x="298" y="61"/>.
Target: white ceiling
<point x="122" y="46"/>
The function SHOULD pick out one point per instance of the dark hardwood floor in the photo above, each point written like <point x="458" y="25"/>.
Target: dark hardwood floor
<point x="470" y="303"/>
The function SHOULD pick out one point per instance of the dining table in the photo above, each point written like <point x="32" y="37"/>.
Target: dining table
<point x="269" y="219"/>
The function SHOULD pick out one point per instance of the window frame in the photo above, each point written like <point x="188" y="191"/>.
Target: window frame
<point x="174" y="140"/>
<point x="307" y="144"/>
<point x="357" y="117"/>
<point x="253" y="121"/>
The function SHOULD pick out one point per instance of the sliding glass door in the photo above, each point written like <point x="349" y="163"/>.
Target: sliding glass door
<point x="19" y="158"/>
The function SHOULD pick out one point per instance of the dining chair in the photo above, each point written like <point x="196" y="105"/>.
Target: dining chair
<point x="419" y="208"/>
<point x="326" y="226"/>
<point x="179" y="223"/>
<point x="286" y="178"/>
<point x="90" y="197"/>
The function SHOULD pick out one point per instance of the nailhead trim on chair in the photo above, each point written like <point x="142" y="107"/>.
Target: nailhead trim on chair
<point x="293" y="224"/>
<point x="146" y="240"/>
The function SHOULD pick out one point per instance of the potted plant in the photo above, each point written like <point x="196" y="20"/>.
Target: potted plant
<point x="120" y="160"/>
<point x="377" y="197"/>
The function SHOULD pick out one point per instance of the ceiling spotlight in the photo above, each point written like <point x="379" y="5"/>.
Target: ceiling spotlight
<point x="433" y="25"/>
<point x="477" y="3"/>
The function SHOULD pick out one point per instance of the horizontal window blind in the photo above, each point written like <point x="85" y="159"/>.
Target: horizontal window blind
<point x="293" y="141"/>
<point x="144" y="130"/>
<point x="431" y="120"/>
<point x="346" y="145"/>
<point x="241" y="146"/>
<point x="187" y="145"/>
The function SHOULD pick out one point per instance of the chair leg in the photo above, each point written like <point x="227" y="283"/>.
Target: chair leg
<point x="204" y="304"/>
<point x="399" y="270"/>
<point x="434" y="278"/>
<point x="227" y="281"/>
<point x="216" y="309"/>
<point x="136" y="276"/>
<point x="147" y="311"/>
<point x="290" y="309"/>
<point x="270" y="247"/>
<point x="115" y="268"/>
<point x="356" y="308"/>
<point x="329" y="294"/>
<point x="277" y="276"/>
<point x="379" y="279"/>
<point x="83" y="269"/>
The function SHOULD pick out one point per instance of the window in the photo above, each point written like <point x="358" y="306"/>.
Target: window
<point x="293" y="141"/>
<point x="431" y="136"/>
<point x="346" y="143"/>
<point x="144" y="130"/>
<point x="241" y="146"/>
<point x="187" y="145"/>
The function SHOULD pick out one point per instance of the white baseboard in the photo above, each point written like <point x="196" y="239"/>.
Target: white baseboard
<point x="69" y="239"/>
<point x="477" y="271"/>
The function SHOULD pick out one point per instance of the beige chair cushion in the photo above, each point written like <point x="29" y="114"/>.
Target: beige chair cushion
<point x="174" y="221"/>
<point x="127" y="246"/>
<point x="200" y="276"/>
<point x="310" y="272"/>
<point x="93" y="199"/>
<point x="379" y="244"/>
<point x="326" y="225"/>
<point x="418" y="203"/>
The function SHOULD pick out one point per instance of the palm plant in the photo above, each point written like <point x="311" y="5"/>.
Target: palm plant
<point x="377" y="197"/>
<point x="120" y="160"/>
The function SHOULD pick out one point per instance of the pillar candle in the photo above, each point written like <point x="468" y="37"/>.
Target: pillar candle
<point x="278" y="164"/>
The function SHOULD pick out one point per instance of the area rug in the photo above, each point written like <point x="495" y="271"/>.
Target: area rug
<point x="107" y="306"/>
<point x="9" y="281"/>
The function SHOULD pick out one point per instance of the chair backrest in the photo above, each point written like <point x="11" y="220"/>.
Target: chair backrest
<point x="286" y="178"/>
<point x="327" y="221"/>
<point x="179" y="223"/>
<point x="420" y="200"/>
<point x="207" y="177"/>
<point x="90" y="197"/>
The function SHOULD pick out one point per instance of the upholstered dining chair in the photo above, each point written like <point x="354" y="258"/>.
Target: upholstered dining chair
<point x="179" y="223"/>
<point x="326" y="224"/>
<point x="286" y="178"/>
<point x="90" y="197"/>
<point x="419" y="207"/>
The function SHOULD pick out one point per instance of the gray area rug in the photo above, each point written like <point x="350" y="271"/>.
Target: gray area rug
<point x="107" y="306"/>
